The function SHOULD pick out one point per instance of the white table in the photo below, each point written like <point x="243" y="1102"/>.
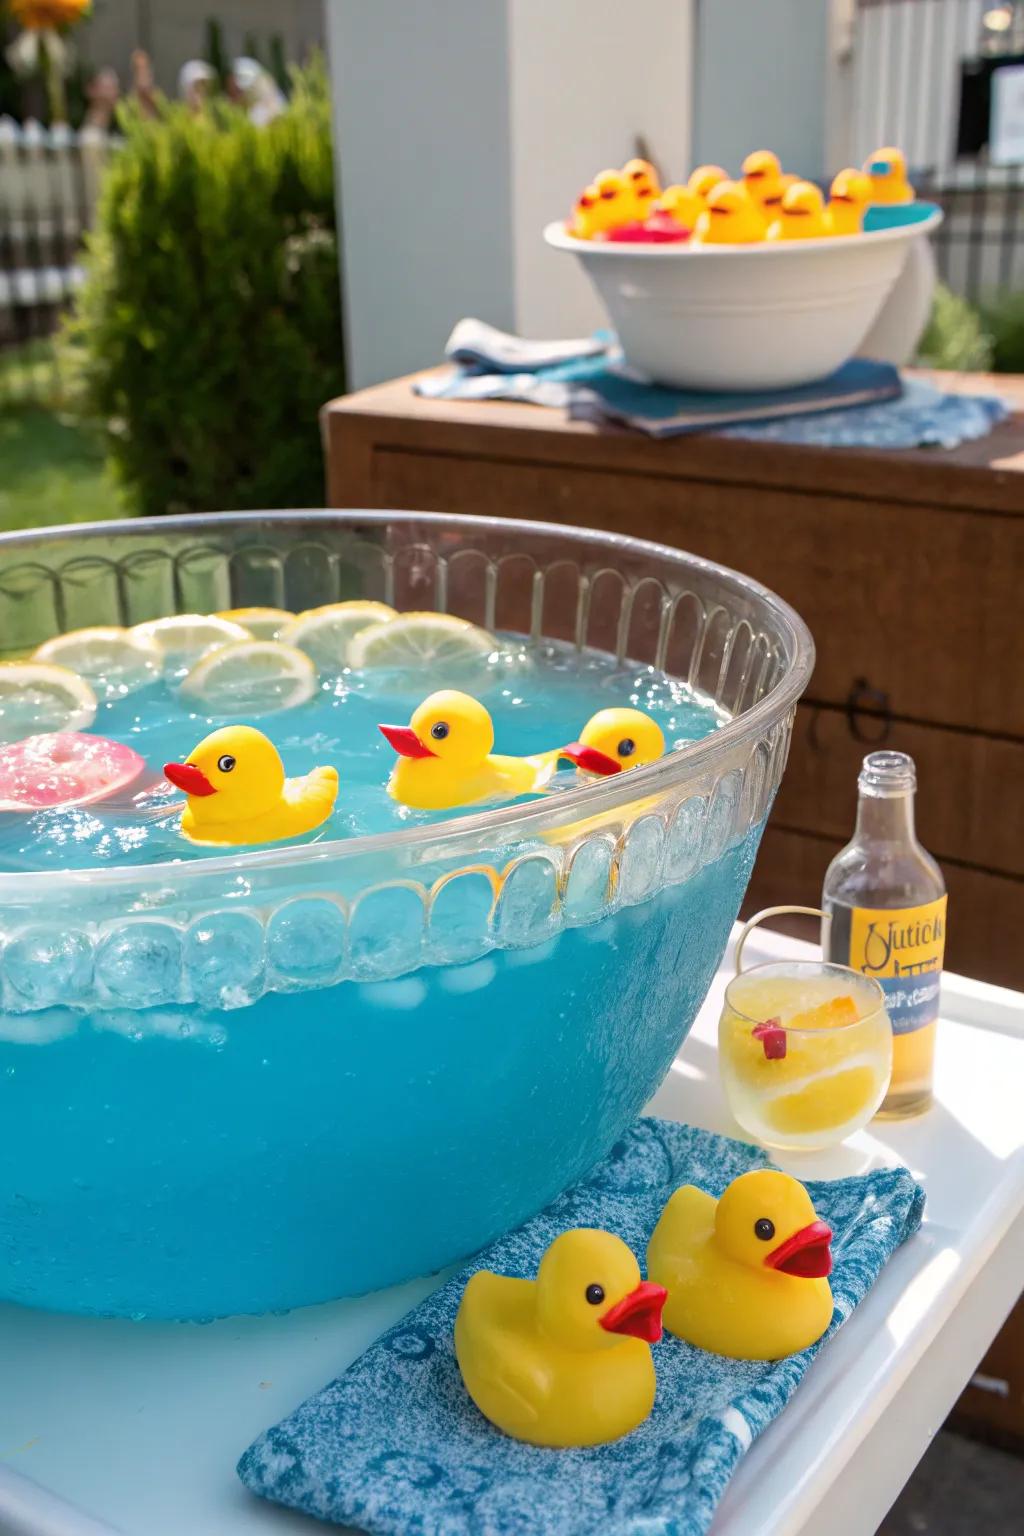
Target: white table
<point x="133" y="1428"/>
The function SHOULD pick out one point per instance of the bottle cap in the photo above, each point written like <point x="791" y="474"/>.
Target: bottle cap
<point x="887" y="773"/>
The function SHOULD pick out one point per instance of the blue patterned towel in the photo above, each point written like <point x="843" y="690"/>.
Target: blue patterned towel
<point x="588" y="379"/>
<point x="395" y="1447"/>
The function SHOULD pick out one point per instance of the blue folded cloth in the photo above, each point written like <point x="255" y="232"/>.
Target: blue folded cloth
<point x="395" y="1447"/>
<point x="863" y="405"/>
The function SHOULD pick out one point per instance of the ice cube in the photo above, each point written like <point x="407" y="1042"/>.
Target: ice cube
<point x="306" y="942"/>
<point x="223" y="954"/>
<point x="140" y="963"/>
<point x="45" y="965"/>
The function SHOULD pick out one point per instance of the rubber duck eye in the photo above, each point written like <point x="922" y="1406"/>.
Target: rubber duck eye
<point x="226" y="763"/>
<point x="609" y="193"/>
<point x="595" y="1294"/>
<point x="764" y="1229"/>
<point x="626" y="747"/>
<point x="440" y="730"/>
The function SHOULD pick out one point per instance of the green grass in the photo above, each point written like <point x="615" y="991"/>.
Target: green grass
<point x="52" y="465"/>
<point x="53" y="472"/>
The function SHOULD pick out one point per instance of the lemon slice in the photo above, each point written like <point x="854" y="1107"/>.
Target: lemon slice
<point x="36" y="696"/>
<point x="115" y="661"/>
<point x="183" y="638"/>
<point x="262" y="623"/>
<point x="826" y="1102"/>
<point x="327" y="633"/>
<point x="254" y="677"/>
<point x="418" y="640"/>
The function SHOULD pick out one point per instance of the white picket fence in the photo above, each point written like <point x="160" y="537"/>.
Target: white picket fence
<point x="906" y="76"/>
<point x="49" y="183"/>
<point x="897" y="80"/>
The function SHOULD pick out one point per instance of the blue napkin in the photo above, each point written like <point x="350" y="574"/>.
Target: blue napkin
<point x="395" y="1447"/>
<point x="864" y="404"/>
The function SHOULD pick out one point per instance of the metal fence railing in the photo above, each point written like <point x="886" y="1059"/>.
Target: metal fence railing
<point x="921" y="78"/>
<point x="49" y="183"/>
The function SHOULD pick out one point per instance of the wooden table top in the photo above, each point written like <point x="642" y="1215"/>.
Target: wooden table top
<point x="983" y="476"/>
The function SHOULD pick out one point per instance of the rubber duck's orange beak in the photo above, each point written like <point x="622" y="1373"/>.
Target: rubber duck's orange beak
<point x="638" y="1314"/>
<point x="590" y="759"/>
<point x="188" y="777"/>
<point x="806" y="1254"/>
<point x="405" y="741"/>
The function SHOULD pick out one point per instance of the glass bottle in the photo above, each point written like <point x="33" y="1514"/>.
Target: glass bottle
<point x="884" y="900"/>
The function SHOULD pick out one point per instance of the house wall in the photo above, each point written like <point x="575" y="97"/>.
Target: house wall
<point x="759" y="82"/>
<point x="592" y="83"/>
<point x="422" y="150"/>
<point x="173" y="31"/>
<point x="461" y="129"/>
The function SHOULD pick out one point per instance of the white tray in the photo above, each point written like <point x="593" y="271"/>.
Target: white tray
<point x="132" y="1428"/>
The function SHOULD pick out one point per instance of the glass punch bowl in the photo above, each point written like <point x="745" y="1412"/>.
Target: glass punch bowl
<point x="268" y="1078"/>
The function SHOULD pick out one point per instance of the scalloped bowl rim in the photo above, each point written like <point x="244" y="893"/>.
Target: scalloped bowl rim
<point x="559" y="238"/>
<point x="666" y="772"/>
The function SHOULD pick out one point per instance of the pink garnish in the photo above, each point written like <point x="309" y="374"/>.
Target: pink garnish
<point x="772" y="1037"/>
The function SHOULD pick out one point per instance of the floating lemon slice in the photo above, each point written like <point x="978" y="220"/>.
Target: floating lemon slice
<point x="114" y="661"/>
<point x="419" y="640"/>
<point x="327" y="633"/>
<point x="254" y="677"/>
<point x="262" y="623"/>
<point x="36" y="696"/>
<point x="183" y="638"/>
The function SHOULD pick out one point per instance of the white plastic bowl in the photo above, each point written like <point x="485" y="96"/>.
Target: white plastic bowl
<point x="744" y="317"/>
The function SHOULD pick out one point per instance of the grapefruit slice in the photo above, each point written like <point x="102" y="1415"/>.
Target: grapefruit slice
<point x="62" y="768"/>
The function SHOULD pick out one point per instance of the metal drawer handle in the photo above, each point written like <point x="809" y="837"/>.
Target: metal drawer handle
<point x="862" y="698"/>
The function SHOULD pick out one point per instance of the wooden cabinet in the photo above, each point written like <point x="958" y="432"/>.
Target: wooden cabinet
<point x="908" y="567"/>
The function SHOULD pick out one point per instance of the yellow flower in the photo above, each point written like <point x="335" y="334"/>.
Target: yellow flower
<point x="46" y="15"/>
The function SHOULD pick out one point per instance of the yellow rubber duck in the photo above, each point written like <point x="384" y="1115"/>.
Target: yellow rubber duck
<point x="848" y="197"/>
<point x="588" y="212"/>
<point x="762" y="180"/>
<point x="616" y="739"/>
<point x="704" y="180"/>
<point x="680" y="203"/>
<point x="746" y="1275"/>
<point x="563" y="1360"/>
<point x="445" y="758"/>
<point x="237" y="792"/>
<point x="770" y="205"/>
<point x="801" y="214"/>
<point x="616" y="205"/>
<point x="887" y="170"/>
<point x="643" y="187"/>
<point x="730" y="218"/>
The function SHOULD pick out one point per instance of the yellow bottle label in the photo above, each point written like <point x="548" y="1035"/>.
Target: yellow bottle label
<point x="902" y="948"/>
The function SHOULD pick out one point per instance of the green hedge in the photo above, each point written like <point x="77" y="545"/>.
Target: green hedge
<point x="1004" y="320"/>
<point x="208" y="332"/>
<point x="955" y="337"/>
